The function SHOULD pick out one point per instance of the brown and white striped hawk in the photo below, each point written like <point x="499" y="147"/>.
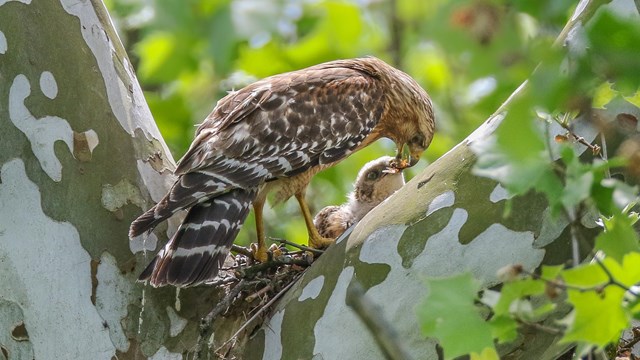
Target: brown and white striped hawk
<point x="275" y="135"/>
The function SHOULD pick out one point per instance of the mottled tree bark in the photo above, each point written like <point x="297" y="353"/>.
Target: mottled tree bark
<point x="80" y="157"/>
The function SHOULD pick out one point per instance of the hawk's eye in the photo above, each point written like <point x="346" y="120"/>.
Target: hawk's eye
<point x="417" y="139"/>
<point x="373" y="175"/>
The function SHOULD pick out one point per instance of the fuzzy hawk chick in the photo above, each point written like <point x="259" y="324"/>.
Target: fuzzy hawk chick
<point x="275" y="135"/>
<point x="376" y="181"/>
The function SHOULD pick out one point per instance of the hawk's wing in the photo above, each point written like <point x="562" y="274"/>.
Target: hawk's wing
<point x="285" y="124"/>
<point x="274" y="128"/>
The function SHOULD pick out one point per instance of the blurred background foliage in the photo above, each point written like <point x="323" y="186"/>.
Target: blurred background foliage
<point x="469" y="55"/>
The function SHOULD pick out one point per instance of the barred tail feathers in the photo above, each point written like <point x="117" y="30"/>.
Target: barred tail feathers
<point x="188" y="190"/>
<point x="197" y="251"/>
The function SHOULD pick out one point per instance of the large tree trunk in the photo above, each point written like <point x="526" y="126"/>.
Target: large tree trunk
<point x="80" y="157"/>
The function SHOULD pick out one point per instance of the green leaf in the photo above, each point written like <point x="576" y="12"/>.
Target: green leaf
<point x="448" y="308"/>
<point x="619" y="238"/>
<point x="603" y="95"/>
<point x="634" y="99"/>
<point x="598" y="318"/>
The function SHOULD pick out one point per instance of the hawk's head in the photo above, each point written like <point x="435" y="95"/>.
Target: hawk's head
<point x="408" y="119"/>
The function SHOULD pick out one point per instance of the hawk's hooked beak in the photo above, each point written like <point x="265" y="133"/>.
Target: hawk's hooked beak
<point x="404" y="158"/>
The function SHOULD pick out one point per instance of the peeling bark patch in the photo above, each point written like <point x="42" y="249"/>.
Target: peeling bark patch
<point x="425" y="181"/>
<point x="42" y="133"/>
<point x="498" y="194"/>
<point x="312" y="289"/>
<point x="48" y="85"/>
<point x="19" y="332"/>
<point x="272" y="337"/>
<point x="114" y="197"/>
<point x="151" y="152"/>
<point x="335" y="332"/>
<point x="144" y="242"/>
<point x="83" y="145"/>
<point x="54" y="294"/>
<point x="157" y="183"/>
<point x="3" y="43"/>
<point x="2" y="2"/>
<point x="113" y="294"/>
<point x="94" y="280"/>
<point x="443" y="200"/>
<point x="177" y="322"/>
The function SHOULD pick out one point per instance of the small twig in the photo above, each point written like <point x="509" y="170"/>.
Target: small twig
<point x="371" y="314"/>
<point x="258" y="293"/>
<point x="251" y="271"/>
<point x="266" y="306"/>
<point x="613" y="281"/>
<point x="298" y="246"/>
<point x="242" y="250"/>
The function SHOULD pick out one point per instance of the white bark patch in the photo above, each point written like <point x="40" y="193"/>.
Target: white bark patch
<point x="177" y="322"/>
<point x="143" y="242"/>
<point x="113" y="294"/>
<point x="155" y="182"/>
<point x="45" y="269"/>
<point x="441" y="201"/>
<point x="123" y="91"/>
<point x="443" y="255"/>
<point x="92" y="139"/>
<point x="3" y="43"/>
<point x="551" y="229"/>
<point x="48" y="85"/>
<point x="498" y="194"/>
<point x="116" y="196"/>
<point x="272" y="337"/>
<point x="2" y="2"/>
<point x="42" y="133"/>
<point x="339" y="333"/>
<point x="312" y="289"/>
<point x="164" y="354"/>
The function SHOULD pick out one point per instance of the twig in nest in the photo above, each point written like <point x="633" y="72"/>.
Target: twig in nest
<point x="301" y="247"/>
<point x="263" y="309"/>
<point x="258" y="293"/>
<point x="242" y="250"/>
<point x="371" y="314"/>
<point x="251" y="271"/>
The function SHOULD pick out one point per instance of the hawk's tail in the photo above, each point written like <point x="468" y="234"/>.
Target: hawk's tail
<point x="198" y="249"/>
<point x="191" y="188"/>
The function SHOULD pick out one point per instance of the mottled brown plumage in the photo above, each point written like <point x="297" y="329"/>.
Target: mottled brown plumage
<point x="376" y="181"/>
<point x="274" y="135"/>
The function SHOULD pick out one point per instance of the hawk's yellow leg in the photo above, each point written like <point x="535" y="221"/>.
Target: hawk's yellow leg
<point x="259" y="253"/>
<point x="315" y="240"/>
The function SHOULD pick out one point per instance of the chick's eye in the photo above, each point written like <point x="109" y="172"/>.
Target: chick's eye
<point x="372" y="175"/>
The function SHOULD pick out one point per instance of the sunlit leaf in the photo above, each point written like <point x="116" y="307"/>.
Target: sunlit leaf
<point x="603" y="95"/>
<point x="619" y="237"/>
<point x="448" y="308"/>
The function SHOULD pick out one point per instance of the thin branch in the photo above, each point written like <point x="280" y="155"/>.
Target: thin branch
<point x="371" y="314"/>
<point x="242" y="250"/>
<point x="298" y="246"/>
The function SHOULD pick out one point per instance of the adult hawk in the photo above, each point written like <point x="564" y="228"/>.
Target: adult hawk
<point x="275" y="135"/>
<point x="376" y="181"/>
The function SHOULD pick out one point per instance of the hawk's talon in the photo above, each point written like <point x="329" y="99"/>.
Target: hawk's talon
<point x="319" y="242"/>
<point x="259" y="253"/>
